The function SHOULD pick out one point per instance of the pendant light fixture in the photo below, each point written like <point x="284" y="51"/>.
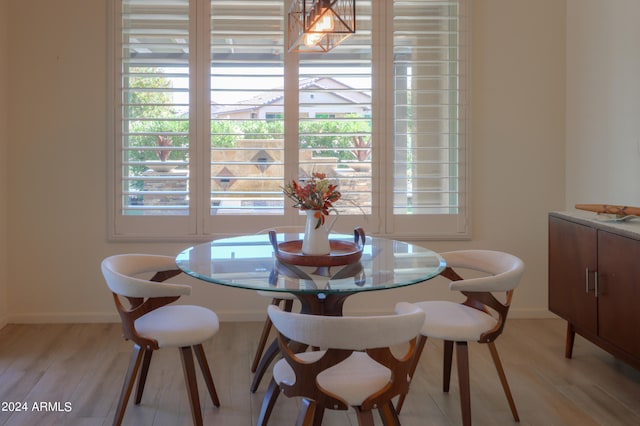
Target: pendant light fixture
<point x="320" y="25"/>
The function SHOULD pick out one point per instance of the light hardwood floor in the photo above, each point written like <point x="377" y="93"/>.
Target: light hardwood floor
<point x="82" y="366"/>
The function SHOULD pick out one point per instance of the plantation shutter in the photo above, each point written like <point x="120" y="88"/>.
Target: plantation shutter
<point x="211" y="116"/>
<point x="154" y="117"/>
<point x="247" y="110"/>
<point x="335" y="128"/>
<point x="429" y="118"/>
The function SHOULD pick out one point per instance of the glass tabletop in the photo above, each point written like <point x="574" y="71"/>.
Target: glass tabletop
<point x="249" y="262"/>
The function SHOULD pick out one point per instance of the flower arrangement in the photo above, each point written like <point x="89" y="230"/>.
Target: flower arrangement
<point x="317" y="193"/>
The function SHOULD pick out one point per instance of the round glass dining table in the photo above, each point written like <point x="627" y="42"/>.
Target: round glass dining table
<point x="250" y="262"/>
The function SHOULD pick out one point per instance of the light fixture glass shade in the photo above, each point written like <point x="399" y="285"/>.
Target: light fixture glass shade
<point x="320" y="25"/>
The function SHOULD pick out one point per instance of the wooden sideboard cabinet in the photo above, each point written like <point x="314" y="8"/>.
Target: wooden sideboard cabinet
<point x="594" y="282"/>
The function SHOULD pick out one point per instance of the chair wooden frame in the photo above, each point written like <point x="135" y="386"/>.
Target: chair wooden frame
<point x="483" y="301"/>
<point x="143" y="351"/>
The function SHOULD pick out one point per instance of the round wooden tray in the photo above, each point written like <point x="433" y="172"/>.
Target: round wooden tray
<point x="342" y="252"/>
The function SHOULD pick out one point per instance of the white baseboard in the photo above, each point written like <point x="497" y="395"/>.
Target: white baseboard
<point x="83" y="318"/>
<point x="231" y="316"/>
<point x="65" y="318"/>
<point x="531" y="314"/>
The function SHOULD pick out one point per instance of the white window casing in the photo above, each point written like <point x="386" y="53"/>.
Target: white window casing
<point x="210" y="116"/>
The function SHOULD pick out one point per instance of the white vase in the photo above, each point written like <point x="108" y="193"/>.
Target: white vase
<point x="316" y="240"/>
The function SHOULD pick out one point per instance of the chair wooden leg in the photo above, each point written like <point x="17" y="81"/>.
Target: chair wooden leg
<point x="388" y="414"/>
<point x="127" y="386"/>
<point x="307" y="413"/>
<point x="266" y="331"/>
<point x="198" y="350"/>
<point x="365" y="417"/>
<point x="192" y="386"/>
<point x="142" y="380"/>
<point x="260" y="363"/>
<point x="268" y="402"/>
<point x="447" y="361"/>
<point x="503" y="380"/>
<point x="288" y="305"/>
<point x="422" y="340"/>
<point x="462" y="357"/>
<point x="318" y="416"/>
<point x="272" y="351"/>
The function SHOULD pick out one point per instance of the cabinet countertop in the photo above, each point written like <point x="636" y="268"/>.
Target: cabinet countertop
<point x="630" y="228"/>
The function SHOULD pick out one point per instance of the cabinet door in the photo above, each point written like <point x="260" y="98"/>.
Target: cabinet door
<point x="572" y="266"/>
<point x="619" y="291"/>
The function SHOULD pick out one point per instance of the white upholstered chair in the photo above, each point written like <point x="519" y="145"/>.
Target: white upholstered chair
<point x="480" y="318"/>
<point x="355" y="367"/>
<point x="151" y="324"/>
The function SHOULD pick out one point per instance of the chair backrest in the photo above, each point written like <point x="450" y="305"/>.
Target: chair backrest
<point x="501" y="272"/>
<point x="350" y="332"/>
<point x="144" y="295"/>
<point x="504" y="270"/>
<point x="121" y="273"/>
<point x="340" y="337"/>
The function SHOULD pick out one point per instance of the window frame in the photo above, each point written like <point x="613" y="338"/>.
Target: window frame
<point x="197" y="225"/>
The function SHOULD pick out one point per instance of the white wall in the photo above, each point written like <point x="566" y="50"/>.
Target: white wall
<point x="57" y="206"/>
<point x="4" y="163"/>
<point x="603" y="102"/>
